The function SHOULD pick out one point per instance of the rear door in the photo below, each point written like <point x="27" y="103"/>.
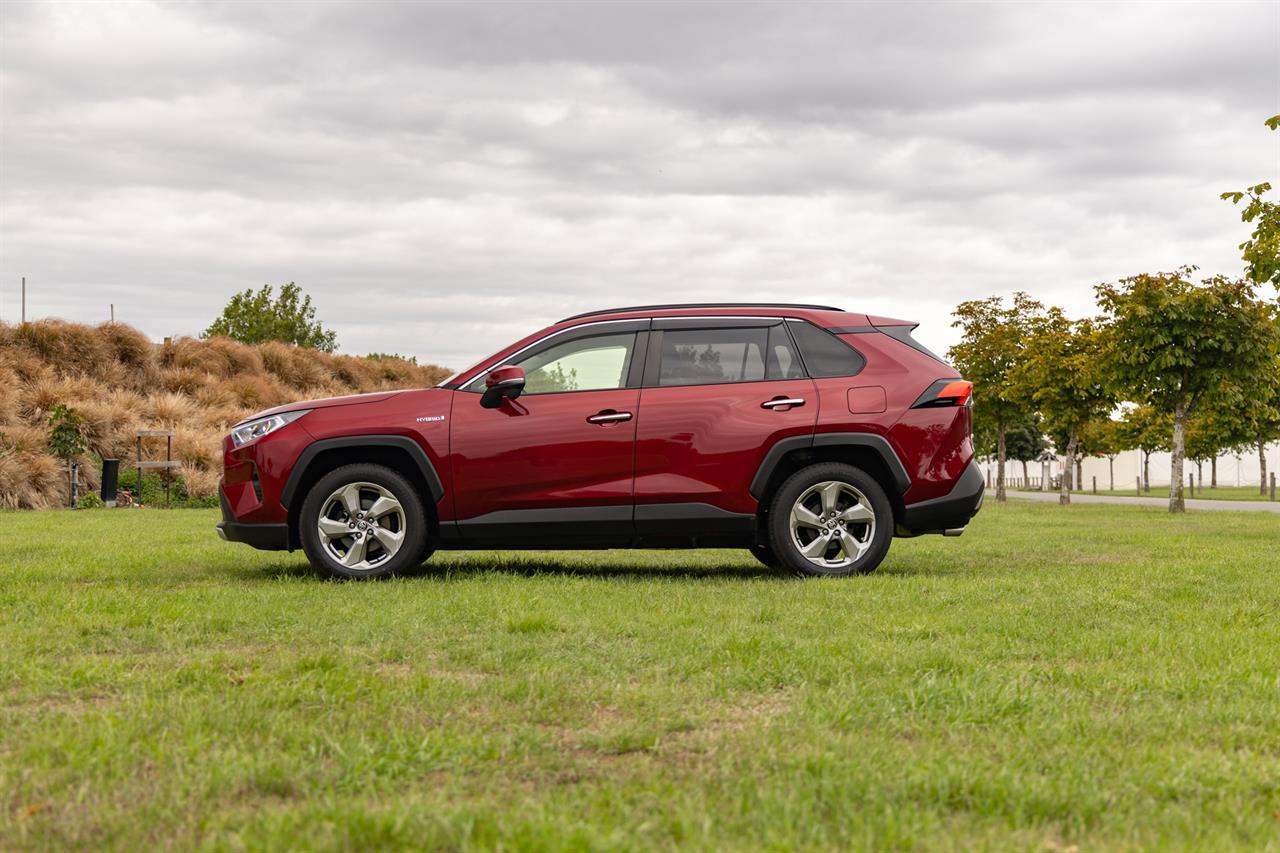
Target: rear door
<point x="717" y="394"/>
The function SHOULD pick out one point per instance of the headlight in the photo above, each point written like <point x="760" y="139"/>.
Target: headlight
<point x="255" y="429"/>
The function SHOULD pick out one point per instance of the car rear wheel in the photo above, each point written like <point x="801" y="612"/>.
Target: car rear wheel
<point x="363" y="522"/>
<point x="830" y="519"/>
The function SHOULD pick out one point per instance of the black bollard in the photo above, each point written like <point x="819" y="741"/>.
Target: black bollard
<point x="110" y="480"/>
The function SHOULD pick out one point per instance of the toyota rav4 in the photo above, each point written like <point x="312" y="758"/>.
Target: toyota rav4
<point x="806" y="434"/>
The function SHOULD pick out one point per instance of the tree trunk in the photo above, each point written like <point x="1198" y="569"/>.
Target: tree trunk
<point x="1262" y="466"/>
<point x="1178" y="451"/>
<point x="1111" y="463"/>
<point x="1213" y="472"/>
<point x="999" y="462"/>
<point x="1026" y="479"/>
<point x="1064" y="492"/>
<point x="1079" y="481"/>
<point x="1146" y="470"/>
<point x="1200" y="473"/>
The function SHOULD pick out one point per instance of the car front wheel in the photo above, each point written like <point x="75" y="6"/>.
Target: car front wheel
<point x="830" y="519"/>
<point x="363" y="522"/>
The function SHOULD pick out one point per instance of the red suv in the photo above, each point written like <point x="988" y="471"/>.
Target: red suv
<point x="808" y="435"/>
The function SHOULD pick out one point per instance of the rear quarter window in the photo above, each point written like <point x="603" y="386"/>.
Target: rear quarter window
<point x="825" y="356"/>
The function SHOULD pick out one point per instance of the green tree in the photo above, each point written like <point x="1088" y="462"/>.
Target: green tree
<point x="1261" y="252"/>
<point x="1106" y="437"/>
<point x="1061" y="374"/>
<point x="254" y="317"/>
<point x="1173" y="344"/>
<point x="993" y="343"/>
<point x="1146" y="430"/>
<point x="1210" y="433"/>
<point x="66" y="437"/>
<point x="1259" y="417"/>
<point x="1024" y="442"/>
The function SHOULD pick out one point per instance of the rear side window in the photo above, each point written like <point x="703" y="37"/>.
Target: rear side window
<point x="824" y="354"/>
<point x="713" y="356"/>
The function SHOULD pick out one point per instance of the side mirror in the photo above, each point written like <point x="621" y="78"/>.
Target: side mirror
<point x="502" y="383"/>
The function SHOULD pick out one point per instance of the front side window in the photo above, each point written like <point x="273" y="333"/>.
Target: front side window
<point x="596" y="363"/>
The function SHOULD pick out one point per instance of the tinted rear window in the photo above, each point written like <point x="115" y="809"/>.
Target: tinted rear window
<point x="713" y="356"/>
<point x="824" y="354"/>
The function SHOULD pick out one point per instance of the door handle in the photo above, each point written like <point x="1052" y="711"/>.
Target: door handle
<point x="782" y="401"/>
<point x="609" y="416"/>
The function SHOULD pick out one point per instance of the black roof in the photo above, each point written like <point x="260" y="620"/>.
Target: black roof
<point x="700" y="305"/>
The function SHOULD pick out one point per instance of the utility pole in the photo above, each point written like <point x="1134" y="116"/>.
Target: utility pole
<point x="24" y="300"/>
<point x="113" y="313"/>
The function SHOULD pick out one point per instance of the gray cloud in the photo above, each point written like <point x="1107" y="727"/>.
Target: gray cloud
<point x="443" y="177"/>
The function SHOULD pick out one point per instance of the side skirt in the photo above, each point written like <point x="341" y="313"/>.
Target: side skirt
<point x="686" y="525"/>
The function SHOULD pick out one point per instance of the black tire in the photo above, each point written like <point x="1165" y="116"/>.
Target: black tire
<point x="854" y="488"/>
<point x="370" y="484"/>
<point x="765" y="555"/>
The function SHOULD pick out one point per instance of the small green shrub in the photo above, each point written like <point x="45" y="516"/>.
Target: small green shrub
<point x="90" y="500"/>
<point x="66" y="440"/>
<point x="151" y="493"/>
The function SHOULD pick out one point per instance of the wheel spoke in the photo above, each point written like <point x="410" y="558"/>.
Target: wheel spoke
<point x="851" y="547"/>
<point x="390" y="539"/>
<point x="831" y="496"/>
<point x="382" y="506"/>
<point x="817" y="548"/>
<point x="355" y="556"/>
<point x="351" y="499"/>
<point x="805" y="517"/>
<point x="331" y="529"/>
<point x="859" y="512"/>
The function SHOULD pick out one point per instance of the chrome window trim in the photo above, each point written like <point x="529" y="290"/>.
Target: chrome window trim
<point x="485" y="366"/>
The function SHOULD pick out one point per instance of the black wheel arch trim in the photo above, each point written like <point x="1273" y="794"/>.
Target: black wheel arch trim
<point x="415" y="451"/>
<point x="783" y="446"/>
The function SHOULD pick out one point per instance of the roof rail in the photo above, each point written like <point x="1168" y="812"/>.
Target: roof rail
<point x="700" y="305"/>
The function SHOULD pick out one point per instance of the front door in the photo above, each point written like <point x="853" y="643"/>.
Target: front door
<point x="558" y="462"/>
<point x="717" y="395"/>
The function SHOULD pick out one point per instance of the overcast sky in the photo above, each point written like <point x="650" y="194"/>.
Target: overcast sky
<point x="443" y="178"/>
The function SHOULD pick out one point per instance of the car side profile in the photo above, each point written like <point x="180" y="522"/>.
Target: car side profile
<point x="809" y="435"/>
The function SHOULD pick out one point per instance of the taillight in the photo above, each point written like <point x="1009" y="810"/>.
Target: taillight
<point x="946" y="393"/>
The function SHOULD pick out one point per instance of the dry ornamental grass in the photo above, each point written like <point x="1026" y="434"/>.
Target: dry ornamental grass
<point x="120" y="382"/>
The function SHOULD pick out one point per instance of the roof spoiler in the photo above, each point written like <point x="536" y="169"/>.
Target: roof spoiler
<point x="889" y="321"/>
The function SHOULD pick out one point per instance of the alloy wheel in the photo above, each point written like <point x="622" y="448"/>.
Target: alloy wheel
<point x="361" y="525"/>
<point x="832" y="524"/>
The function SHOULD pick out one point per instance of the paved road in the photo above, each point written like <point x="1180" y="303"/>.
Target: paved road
<point x="1263" y="506"/>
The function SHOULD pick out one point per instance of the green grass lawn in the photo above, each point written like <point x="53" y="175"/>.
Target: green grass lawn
<point x="1100" y="676"/>
<point x="1222" y="493"/>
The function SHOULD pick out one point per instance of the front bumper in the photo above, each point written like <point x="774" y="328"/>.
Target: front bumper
<point x="265" y="537"/>
<point x="950" y="513"/>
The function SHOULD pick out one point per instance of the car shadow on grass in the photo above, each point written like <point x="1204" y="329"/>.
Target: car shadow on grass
<point x="454" y="569"/>
<point x="525" y="567"/>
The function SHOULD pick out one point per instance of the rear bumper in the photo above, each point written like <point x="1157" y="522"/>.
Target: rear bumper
<point x="950" y="513"/>
<point x="265" y="537"/>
